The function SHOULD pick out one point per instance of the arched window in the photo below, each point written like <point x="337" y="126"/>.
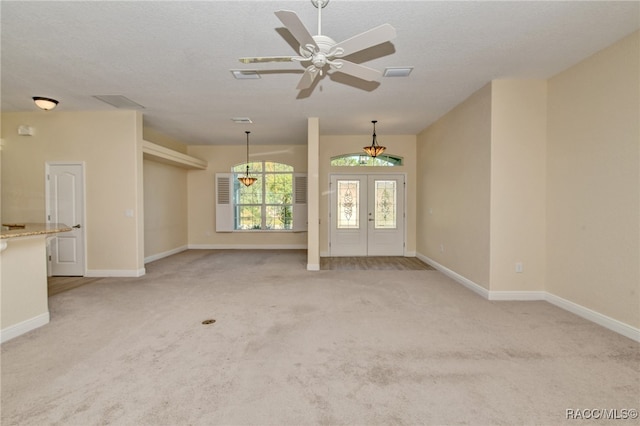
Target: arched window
<point x="364" y="160"/>
<point x="275" y="202"/>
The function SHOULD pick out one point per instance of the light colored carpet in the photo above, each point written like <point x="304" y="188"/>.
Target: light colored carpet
<point x="291" y="347"/>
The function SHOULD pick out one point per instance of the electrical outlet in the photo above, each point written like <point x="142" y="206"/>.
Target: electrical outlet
<point x="441" y="247"/>
<point x="519" y="267"/>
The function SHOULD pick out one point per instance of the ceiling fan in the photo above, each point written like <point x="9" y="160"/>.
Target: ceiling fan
<point x="322" y="53"/>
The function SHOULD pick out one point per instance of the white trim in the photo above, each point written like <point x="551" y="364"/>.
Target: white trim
<point x="247" y="246"/>
<point x="115" y="272"/>
<point x="313" y="266"/>
<point x="612" y="324"/>
<point x="164" y="254"/>
<point x="477" y="288"/>
<point x="619" y="327"/>
<point x="409" y="254"/>
<point x="165" y="155"/>
<point x="23" y="327"/>
<point x="517" y="295"/>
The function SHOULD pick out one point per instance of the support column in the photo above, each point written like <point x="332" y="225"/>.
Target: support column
<point x="313" y="201"/>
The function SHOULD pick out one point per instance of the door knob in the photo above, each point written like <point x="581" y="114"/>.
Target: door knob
<point x="77" y="226"/>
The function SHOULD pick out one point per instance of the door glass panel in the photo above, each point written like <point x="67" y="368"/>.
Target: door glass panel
<point x="385" y="208"/>
<point x="348" y="197"/>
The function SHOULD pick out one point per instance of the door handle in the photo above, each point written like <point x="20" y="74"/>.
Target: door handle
<point x="370" y="220"/>
<point x="77" y="226"/>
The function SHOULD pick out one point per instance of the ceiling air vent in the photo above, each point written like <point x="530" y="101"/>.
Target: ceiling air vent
<point x="119" y="101"/>
<point x="245" y="74"/>
<point x="242" y="120"/>
<point x="397" y="71"/>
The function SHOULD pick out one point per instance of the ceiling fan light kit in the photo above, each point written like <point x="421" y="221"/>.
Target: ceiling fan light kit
<point x="321" y="54"/>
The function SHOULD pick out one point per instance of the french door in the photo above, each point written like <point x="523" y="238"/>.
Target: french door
<point x="367" y="215"/>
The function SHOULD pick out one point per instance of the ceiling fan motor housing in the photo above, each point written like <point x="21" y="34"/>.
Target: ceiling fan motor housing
<point x="324" y="53"/>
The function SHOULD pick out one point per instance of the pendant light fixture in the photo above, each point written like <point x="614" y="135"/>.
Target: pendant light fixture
<point x="247" y="180"/>
<point x="374" y="149"/>
<point x="45" y="103"/>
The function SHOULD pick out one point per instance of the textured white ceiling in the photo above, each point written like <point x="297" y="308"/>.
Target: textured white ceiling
<point x="175" y="58"/>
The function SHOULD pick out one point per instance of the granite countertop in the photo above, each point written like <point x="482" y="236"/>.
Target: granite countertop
<point x="12" y="230"/>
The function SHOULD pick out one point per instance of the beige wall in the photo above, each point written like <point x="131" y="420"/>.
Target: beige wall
<point x="593" y="188"/>
<point x="201" y="194"/>
<point x="163" y="140"/>
<point x="518" y="205"/>
<point x="165" y="200"/>
<point x="109" y="144"/>
<point x="453" y="196"/>
<point x="165" y="208"/>
<point x="401" y="145"/>
<point x="23" y="281"/>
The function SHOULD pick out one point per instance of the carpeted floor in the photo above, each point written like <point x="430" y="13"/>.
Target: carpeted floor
<point x="291" y="347"/>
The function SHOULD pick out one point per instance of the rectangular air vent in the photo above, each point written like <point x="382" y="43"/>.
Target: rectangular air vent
<point x="397" y="71"/>
<point x="119" y="101"/>
<point x="242" y="120"/>
<point x="245" y="74"/>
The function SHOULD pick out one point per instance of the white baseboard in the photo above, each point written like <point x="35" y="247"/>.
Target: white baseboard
<point x="313" y="266"/>
<point x="477" y="288"/>
<point x="164" y="254"/>
<point x="619" y="327"/>
<point x="247" y="246"/>
<point x="115" y="272"/>
<point x="325" y="254"/>
<point x="409" y="254"/>
<point x="23" y="327"/>
<point x="517" y="295"/>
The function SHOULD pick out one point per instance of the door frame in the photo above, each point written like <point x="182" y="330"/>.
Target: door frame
<point x="47" y="169"/>
<point x="361" y="173"/>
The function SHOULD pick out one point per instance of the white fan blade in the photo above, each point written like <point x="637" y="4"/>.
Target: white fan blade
<point x="357" y="70"/>
<point x="308" y="77"/>
<point x="296" y="27"/>
<point x="260" y="59"/>
<point x="373" y="37"/>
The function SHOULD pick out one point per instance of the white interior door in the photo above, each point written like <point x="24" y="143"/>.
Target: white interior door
<point x="367" y="215"/>
<point x="65" y="204"/>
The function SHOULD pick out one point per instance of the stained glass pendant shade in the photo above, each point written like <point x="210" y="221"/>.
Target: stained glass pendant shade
<point x="247" y="180"/>
<point x="374" y="149"/>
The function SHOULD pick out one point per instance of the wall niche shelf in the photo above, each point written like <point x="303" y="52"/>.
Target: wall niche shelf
<point x="154" y="152"/>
